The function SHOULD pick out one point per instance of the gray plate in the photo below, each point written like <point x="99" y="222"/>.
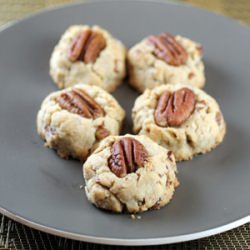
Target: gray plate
<point x="41" y="190"/>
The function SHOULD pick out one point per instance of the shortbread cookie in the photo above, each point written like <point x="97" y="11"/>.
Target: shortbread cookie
<point x="90" y="55"/>
<point x="72" y="121"/>
<point x="183" y="119"/>
<point x="130" y="173"/>
<point x="164" y="59"/>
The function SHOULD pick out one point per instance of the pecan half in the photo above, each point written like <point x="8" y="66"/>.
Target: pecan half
<point x="78" y="102"/>
<point x="127" y="155"/>
<point x="168" y="49"/>
<point x="86" y="47"/>
<point x="173" y="109"/>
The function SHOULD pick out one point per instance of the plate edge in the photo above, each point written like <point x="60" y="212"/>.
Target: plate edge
<point x="125" y="242"/>
<point x="119" y="241"/>
<point x="65" y="5"/>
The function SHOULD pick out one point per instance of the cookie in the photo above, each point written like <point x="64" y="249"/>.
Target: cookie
<point x="74" y="120"/>
<point x="164" y="59"/>
<point x="130" y="173"/>
<point x="183" y="119"/>
<point x="88" y="55"/>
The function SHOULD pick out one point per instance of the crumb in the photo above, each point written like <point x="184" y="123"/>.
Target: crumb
<point x="135" y="217"/>
<point x="81" y="186"/>
<point x="132" y="216"/>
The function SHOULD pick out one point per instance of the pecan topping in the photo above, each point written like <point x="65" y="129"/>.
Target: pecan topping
<point x="127" y="155"/>
<point x="168" y="49"/>
<point x="173" y="109"/>
<point x="78" y="102"/>
<point x="86" y="47"/>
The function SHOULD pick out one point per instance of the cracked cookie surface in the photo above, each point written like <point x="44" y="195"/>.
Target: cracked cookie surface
<point x="147" y="70"/>
<point x="201" y="131"/>
<point x="150" y="186"/>
<point x="106" y="70"/>
<point x="74" y="120"/>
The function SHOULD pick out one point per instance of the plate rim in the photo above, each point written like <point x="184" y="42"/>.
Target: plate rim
<point x="125" y="242"/>
<point x="119" y="241"/>
<point x="11" y="23"/>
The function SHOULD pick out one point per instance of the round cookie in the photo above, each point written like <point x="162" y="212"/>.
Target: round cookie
<point x="183" y="119"/>
<point x="74" y="120"/>
<point x="130" y="173"/>
<point x="164" y="59"/>
<point x="90" y="55"/>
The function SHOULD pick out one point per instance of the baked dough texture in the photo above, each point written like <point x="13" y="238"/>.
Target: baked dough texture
<point x="150" y="187"/>
<point x="200" y="133"/>
<point x="71" y="134"/>
<point x="147" y="71"/>
<point x="106" y="72"/>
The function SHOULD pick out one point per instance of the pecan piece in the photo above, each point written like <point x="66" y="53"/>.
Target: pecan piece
<point x="78" y="102"/>
<point x="86" y="47"/>
<point x="127" y="155"/>
<point x="101" y="132"/>
<point x="168" y="49"/>
<point x="218" y="118"/>
<point x="191" y="75"/>
<point x="200" y="49"/>
<point x="170" y="156"/>
<point x="173" y="109"/>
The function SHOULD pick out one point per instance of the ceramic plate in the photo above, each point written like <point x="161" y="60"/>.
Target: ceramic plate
<point x="43" y="191"/>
